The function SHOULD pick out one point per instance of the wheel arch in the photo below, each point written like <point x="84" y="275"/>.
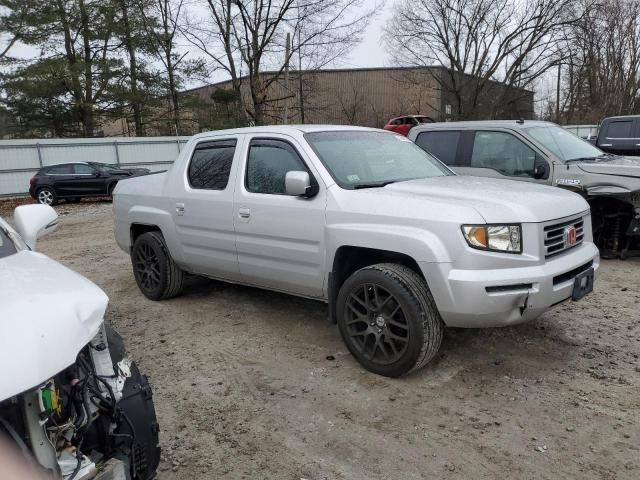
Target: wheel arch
<point x="136" y="229"/>
<point x="351" y="258"/>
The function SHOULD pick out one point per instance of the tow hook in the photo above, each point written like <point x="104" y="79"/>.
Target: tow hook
<point x="525" y="304"/>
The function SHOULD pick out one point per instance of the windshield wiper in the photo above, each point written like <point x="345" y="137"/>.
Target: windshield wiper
<point x="608" y="156"/>
<point x="358" y="186"/>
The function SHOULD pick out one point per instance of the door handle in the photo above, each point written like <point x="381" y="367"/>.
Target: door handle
<point x="180" y="209"/>
<point x="244" y="212"/>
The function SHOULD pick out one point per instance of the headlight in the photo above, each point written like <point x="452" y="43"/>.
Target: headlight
<point x="497" y="238"/>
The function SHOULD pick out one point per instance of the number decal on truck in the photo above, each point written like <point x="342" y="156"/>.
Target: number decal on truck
<point x="568" y="181"/>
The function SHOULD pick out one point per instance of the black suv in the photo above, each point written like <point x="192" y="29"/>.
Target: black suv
<point x="620" y="135"/>
<point x="73" y="181"/>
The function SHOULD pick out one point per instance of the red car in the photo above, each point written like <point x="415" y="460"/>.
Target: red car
<point x="403" y="124"/>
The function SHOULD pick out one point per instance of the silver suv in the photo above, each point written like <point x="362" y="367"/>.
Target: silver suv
<point x="545" y="154"/>
<point x="396" y="243"/>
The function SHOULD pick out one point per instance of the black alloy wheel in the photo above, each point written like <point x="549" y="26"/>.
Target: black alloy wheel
<point x="147" y="267"/>
<point x="156" y="274"/>
<point x="376" y="324"/>
<point x="388" y="319"/>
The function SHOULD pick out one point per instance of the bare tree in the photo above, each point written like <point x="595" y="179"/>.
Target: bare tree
<point x="87" y="37"/>
<point x="352" y="100"/>
<point x="602" y="62"/>
<point x="162" y="19"/>
<point x="250" y="35"/>
<point x="478" y="42"/>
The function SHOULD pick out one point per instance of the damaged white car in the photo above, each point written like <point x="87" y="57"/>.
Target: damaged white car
<point x="72" y="404"/>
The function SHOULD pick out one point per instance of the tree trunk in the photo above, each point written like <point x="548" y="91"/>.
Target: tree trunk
<point x="136" y="104"/>
<point x="87" y="104"/>
<point x="301" y="93"/>
<point x="71" y="60"/>
<point x="173" y="92"/>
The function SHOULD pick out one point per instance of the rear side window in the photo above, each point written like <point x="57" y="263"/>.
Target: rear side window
<point x="60" y="170"/>
<point x="210" y="165"/>
<point x="268" y="164"/>
<point x="620" y="129"/>
<point x="442" y="145"/>
<point x="81" y="169"/>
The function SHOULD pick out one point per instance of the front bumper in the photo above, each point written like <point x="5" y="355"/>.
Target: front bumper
<point x="506" y="296"/>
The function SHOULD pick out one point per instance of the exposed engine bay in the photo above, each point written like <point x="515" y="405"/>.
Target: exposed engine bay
<point x="95" y="419"/>
<point x="616" y="226"/>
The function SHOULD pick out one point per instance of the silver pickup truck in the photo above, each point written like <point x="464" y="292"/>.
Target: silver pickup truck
<point x="396" y="243"/>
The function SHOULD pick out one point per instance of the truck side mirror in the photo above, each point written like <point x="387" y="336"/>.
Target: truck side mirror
<point x="540" y="169"/>
<point x="34" y="221"/>
<point x="298" y="184"/>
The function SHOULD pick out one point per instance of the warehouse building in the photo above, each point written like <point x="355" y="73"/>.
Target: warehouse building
<point x="367" y="96"/>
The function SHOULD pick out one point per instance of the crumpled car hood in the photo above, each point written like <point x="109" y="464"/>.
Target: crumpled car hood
<point x="48" y="313"/>
<point x="497" y="200"/>
<point x="624" y="166"/>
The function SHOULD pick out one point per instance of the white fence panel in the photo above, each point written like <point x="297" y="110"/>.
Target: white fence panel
<point x="54" y="154"/>
<point x="136" y="153"/>
<point x="20" y="159"/>
<point x="15" y="182"/>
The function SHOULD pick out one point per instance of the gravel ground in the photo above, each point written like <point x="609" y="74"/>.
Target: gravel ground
<point x="256" y="385"/>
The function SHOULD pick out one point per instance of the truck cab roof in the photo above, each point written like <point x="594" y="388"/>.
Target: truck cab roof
<point x="513" y="124"/>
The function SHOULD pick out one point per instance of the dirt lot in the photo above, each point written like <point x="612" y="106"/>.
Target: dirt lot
<point x="256" y="385"/>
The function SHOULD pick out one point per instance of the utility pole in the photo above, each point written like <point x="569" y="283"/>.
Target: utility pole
<point x="558" y="94"/>
<point x="286" y="79"/>
<point x="300" y="84"/>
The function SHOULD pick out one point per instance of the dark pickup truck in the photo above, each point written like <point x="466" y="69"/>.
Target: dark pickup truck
<point x="619" y="135"/>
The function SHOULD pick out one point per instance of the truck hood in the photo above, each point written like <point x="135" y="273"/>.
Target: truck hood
<point x="623" y="166"/>
<point x="496" y="200"/>
<point x="48" y="313"/>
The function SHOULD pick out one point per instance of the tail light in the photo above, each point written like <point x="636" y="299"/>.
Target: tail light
<point x="32" y="180"/>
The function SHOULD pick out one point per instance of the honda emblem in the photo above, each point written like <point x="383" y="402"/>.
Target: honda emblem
<point x="570" y="236"/>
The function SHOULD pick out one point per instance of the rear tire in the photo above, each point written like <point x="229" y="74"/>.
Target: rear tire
<point x="388" y="319"/>
<point x="156" y="274"/>
<point x="47" y="196"/>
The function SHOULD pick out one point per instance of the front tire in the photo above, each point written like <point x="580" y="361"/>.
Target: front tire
<point x="47" y="196"/>
<point x="157" y="275"/>
<point x="388" y="319"/>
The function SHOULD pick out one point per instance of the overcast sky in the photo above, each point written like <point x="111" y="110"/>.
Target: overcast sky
<point x="370" y="53"/>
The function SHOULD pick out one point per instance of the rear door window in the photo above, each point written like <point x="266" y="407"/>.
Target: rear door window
<point x="620" y="129"/>
<point x="82" y="169"/>
<point x="441" y="144"/>
<point x="60" y="170"/>
<point x="210" y="165"/>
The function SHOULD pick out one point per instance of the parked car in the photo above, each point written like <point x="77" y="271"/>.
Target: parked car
<point x="403" y="124"/>
<point x="72" y="404"/>
<point x="363" y="219"/>
<point x="544" y="153"/>
<point x="619" y="135"/>
<point x="74" y="181"/>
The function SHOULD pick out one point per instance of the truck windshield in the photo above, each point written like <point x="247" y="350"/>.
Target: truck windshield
<point x="6" y="245"/>
<point x="563" y="144"/>
<point x="369" y="159"/>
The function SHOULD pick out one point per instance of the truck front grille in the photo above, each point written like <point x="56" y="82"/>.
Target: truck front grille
<point x="555" y="236"/>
